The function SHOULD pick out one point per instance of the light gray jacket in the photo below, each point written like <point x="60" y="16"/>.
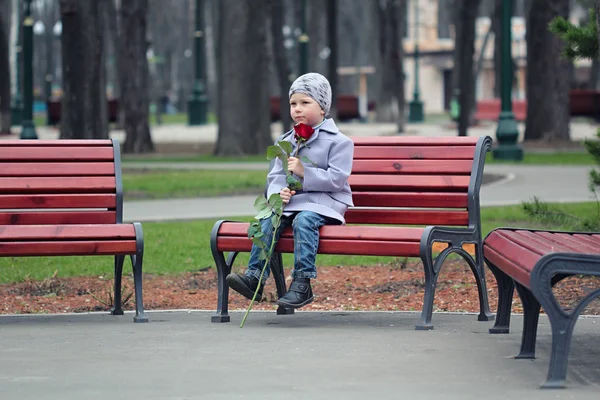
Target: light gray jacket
<point x="325" y="188"/>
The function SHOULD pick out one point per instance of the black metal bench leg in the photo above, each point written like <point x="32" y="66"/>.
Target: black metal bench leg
<point x="484" y="307"/>
<point x="506" y="289"/>
<point x="531" y="316"/>
<point x="223" y="269"/>
<point x="279" y="276"/>
<point x="117" y="303"/>
<point x="431" y="276"/>
<point x="137" y="261"/>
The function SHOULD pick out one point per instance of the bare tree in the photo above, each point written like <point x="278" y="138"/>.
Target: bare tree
<point x="466" y="13"/>
<point x="548" y="74"/>
<point x="134" y="76"/>
<point x="391" y="94"/>
<point x="243" y="109"/>
<point x="5" y="26"/>
<point x="83" y="113"/>
<point x="284" y="71"/>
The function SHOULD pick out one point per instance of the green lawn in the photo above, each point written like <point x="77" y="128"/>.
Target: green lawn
<point x="176" y="247"/>
<point x="195" y="183"/>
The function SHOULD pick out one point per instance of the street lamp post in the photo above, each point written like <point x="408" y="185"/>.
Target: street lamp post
<point x="507" y="132"/>
<point x="303" y="41"/>
<point x="415" y="110"/>
<point x="17" y="103"/>
<point x="27" y="126"/>
<point x="197" y="105"/>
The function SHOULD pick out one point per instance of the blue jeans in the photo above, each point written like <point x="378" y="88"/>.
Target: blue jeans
<point x="305" y="225"/>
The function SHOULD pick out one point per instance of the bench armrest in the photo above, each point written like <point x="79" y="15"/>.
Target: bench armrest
<point x="455" y="236"/>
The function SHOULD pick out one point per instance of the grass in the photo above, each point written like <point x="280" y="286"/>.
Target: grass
<point x="195" y="183"/>
<point x="176" y="247"/>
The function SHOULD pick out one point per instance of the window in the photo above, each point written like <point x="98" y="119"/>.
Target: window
<point x="443" y="15"/>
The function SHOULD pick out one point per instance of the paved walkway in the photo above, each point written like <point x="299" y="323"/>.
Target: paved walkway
<point x="310" y="355"/>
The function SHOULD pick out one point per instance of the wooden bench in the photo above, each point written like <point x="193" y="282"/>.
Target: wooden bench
<point x="402" y="181"/>
<point x="489" y="110"/>
<point x="65" y="197"/>
<point x="533" y="261"/>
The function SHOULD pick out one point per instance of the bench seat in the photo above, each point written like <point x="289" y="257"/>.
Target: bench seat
<point x="533" y="261"/>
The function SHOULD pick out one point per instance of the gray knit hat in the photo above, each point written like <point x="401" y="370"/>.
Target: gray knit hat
<point x="316" y="86"/>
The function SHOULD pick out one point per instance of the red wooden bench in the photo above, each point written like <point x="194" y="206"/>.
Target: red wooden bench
<point x="533" y="261"/>
<point x="489" y="110"/>
<point x="65" y="197"/>
<point x="402" y="181"/>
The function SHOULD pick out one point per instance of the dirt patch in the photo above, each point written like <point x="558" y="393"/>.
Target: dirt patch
<point x="382" y="287"/>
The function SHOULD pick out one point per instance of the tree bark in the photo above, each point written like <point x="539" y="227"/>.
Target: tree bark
<point x="284" y="72"/>
<point x="5" y="97"/>
<point x="83" y="112"/>
<point x="548" y="74"/>
<point x="243" y="110"/>
<point x="391" y="92"/>
<point x="497" y="28"/>
<point x="463" y="65"/>
<point x="134" y="72"/>
<point x="332" y="41"/>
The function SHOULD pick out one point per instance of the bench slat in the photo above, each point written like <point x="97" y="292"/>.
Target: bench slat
<point x="588" y="239"/>
<point x="451" y="183"/>
<point x="57" y="143"/>
<point x="414" y="140"/>
<point x="330" y="246"/>
<point x="435" y="167"/>
<point x="66" y="232"/>
<point x="522" y="256"/>
<point x="88" y="184"/>
<point x="379" y="233"/>
<point x="108" y="247"/>
<point x="415" y="152"/>
<point x="516" y="271"/>
<point x="535" y="242"/>
<point x="569" y="242"/>
<point x="410" y="199"/>
<point x="58" y="217"/>
<point x="58" y="153"/>
<point x="17" y="201"/>
<point x="57" y="169"/>
<point x="407" y="217"/>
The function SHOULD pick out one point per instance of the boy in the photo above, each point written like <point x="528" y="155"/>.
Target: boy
<point x="325" y="194"/>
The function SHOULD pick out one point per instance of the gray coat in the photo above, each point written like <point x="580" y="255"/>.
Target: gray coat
<point x="325" y="188"/>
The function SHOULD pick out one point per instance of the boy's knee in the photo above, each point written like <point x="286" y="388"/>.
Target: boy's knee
<point x="306" y="220"/>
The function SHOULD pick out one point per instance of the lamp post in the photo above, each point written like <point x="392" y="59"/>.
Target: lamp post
<point x="507" y="132"/>
<point x="27" y="125"/>
<point x="17" y="103"/>
<point x="303" y="41"/>
<point x="197" y="105"/>
<point x="415" y="107"/>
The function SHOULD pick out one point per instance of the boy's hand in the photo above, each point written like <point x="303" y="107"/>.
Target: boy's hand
<point x="286" y="194"/>
<point x="295" y="166"/>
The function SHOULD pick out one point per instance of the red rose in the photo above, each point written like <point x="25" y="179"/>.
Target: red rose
<point x="303" y="132"/>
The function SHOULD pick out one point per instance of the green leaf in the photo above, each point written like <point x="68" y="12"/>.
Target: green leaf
<point x="286" y="146"/>
<point x="307" y="160"/>
<point x="274" y="152"/>
<point x="260" y="203"/>
<point x="254" y="229"/>
<point x="293" y="183"/>
<point x="284" y="163"/>
<point x="259" y="235"/>
<point x="263" y="255"/>
<point x="265" y="213"/>
<point x="275" y="201"/>
<point x="258" y="242"/>
<point x="274" y="218"/>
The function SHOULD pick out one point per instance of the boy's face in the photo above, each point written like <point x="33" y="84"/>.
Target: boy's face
<point x="304" y="109"/>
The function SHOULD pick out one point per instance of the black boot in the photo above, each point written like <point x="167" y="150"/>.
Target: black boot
<point x="299" y="294"/>
<point x="245" y="285"/>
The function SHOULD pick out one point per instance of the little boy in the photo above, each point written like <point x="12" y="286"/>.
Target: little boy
<point x="325" y="194"/>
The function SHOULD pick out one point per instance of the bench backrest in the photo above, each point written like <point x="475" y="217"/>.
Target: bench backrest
<point x="417" y="180"/>
<point x="60" y="182"/>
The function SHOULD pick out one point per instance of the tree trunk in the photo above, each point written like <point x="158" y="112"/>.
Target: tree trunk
<point x="83" y="112"/>
<point x="112" y="22"/>
<point x="390" y="101"/>
<point x="464" y="51"/>
<point x="5" y="26"/>
<point x="243" y="110"/>
<point x="332" y="42"/>
<point x="497" y="28"/>
<point x="134" y="92"/>
<point x="284" y="72"/>
<point x="547" y="74"/>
